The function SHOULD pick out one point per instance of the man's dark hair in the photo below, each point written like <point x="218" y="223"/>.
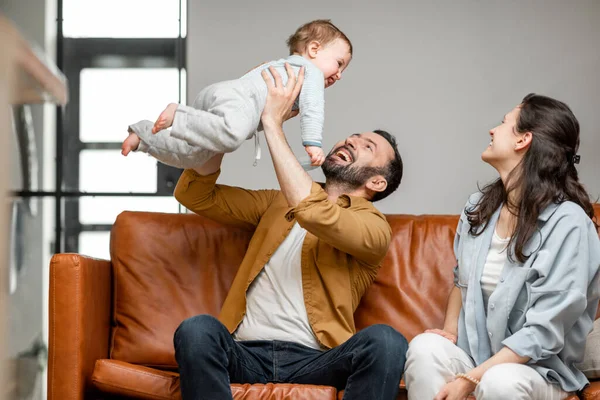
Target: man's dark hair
<point x="392" y="172"/>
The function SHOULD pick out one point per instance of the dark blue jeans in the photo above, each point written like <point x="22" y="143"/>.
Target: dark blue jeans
<point x="368" y="366"/>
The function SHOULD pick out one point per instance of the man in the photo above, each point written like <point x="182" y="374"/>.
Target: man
<point x="288" y="316"/>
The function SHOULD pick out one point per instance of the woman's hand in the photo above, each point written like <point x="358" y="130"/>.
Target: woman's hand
<point x="280" y="98"/>
<point x="458" y="389"/>
<point x="450" y="336"/>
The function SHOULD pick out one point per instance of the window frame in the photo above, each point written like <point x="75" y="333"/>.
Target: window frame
<point x="74" y="55"/>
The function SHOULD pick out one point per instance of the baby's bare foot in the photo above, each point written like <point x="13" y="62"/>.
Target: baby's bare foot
<point x="130" y="144"/>
<point x="165" y="119"/>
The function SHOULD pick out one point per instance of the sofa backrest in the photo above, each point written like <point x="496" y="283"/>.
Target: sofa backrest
<point x="168" y="267"/>
<point x="415" y="279"/>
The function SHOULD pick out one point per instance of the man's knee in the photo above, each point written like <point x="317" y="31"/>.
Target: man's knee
<point x="501" y="382"/>
<point x="197" y="332"/>
<point x="385" y="343"/>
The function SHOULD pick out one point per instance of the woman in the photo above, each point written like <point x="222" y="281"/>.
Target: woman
<point x="527" y="283"/>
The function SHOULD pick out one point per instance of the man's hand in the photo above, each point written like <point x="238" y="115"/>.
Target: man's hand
<point x="253" y="68"/>
<point x="280" y="100"/>
<point x="450" y="336"/>
<point x="294" y="182"/>
<point x="458" y="389"/>
<point x="317" y="156"/>
<point x="292" y="114"/>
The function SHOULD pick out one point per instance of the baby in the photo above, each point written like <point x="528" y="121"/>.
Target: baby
<point x="225" y="114"/>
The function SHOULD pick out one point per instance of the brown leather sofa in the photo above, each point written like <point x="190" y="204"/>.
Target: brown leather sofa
<point x="112" y="322"/>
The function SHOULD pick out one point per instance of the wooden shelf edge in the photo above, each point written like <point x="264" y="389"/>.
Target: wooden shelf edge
<point x="38" y="78"/>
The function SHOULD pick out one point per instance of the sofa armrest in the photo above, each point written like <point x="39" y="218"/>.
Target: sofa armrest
<point x="80" y="316"/>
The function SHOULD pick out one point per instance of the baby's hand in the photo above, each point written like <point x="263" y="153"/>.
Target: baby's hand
<point x="317" y="156"/>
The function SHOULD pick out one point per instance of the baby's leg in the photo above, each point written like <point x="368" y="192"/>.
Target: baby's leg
<point x="167" y="149"/>
<point x="223" y="117"/>
<point x="165" y="119"/>
<point x="131" y="143"/>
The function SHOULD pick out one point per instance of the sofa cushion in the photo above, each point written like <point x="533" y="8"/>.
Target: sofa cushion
<point x="597" y="219"/>
<point x="167" y="267"/>
<point x="135" y="381"/>
<point x="411" y="290"/>
<point x="281" y="391"/>
<point x="591" y="392"/>
<point x="590" y="365"/>
<point x="402" y="395"/>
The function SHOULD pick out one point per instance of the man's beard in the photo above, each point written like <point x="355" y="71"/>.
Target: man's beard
<point x="349" y="176"/>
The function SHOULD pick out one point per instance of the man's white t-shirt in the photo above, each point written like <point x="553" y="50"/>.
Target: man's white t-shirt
<point x="275" y="307"/>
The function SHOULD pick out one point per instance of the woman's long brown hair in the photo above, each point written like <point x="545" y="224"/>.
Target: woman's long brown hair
<point x="545" y="175"/>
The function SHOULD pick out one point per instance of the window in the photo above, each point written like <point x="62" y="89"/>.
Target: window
<point x="113" y="98"/>
<point x="108" y="171"/>
<point x="121" y="19"/>
<point x="125" y="61"/>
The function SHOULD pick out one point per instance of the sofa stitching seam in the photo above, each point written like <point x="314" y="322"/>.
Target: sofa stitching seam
<point x="53" y="264"/>
<point x="131" y="390"/>
<point x="138" y="372"/>
<point x="77" y="299"/>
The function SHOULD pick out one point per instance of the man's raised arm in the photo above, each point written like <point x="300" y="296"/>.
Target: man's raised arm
<point x="197" y="191"/>
<point x="364" y="234"/>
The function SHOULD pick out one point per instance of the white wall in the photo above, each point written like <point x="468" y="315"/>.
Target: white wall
<point x="436" y="74"/>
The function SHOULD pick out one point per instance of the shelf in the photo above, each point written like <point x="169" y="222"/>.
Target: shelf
<point x="38" y="80"/>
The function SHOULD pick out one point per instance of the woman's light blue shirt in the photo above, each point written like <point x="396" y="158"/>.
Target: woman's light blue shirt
<point x="542" y="309"/>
